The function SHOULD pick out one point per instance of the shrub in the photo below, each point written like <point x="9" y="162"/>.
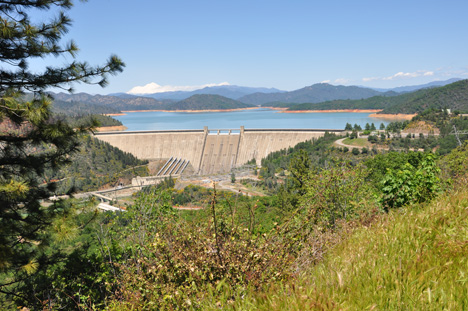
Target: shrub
<point x="334" y="193"/>
<point x="173" y="263"/>
<point x="411" y="184"/>
<point x="355" y="151"/>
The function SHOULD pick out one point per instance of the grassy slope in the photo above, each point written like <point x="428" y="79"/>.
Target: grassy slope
<point x="412" y="259"/>
<point x="360" y="142"/>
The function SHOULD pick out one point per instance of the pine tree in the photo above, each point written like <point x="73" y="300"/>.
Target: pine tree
<point x="30" y="140"/>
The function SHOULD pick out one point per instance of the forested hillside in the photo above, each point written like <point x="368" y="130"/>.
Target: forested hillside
<point x="81" y="108"/>
<point x="89" y="120"/>
<point x="311" y="94"/>
<point x="97" y="164"/>
<point x="85" y="103"/>
<point x="376" y="102"/>
<point x="207" y="102"/>
<point x="452" y="96"/>
<point x="111" y="104"/>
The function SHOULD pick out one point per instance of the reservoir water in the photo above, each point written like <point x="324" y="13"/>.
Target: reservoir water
<point x="256" y="118"/>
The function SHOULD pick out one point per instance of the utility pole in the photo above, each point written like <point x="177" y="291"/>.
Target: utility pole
<point x="456" y="135"/>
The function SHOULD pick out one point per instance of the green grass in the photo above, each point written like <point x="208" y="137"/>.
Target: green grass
<point x="359" y="142"/>
<point x="414" y="258"/>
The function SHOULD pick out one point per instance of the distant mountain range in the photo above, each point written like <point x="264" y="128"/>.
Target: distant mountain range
<point x="316" y="97"/>
<point x="316" y="93"/>
<point x="311" y="94"/>
<point x="82" y="103"/>
<point x="411" y="88"/>
<point x="229" y="91"/>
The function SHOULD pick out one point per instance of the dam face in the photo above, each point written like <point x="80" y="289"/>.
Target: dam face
<point x="209" y="151"/>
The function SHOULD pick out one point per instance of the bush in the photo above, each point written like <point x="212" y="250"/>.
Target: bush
<point x="355" y="151"/>
<point x="172" y="263"/>
<point x="411" y="184"/>
<point x="334" y="193"/>
<point x="373" y="139"/>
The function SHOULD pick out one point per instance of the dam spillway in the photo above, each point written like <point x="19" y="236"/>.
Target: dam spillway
<point x="209" y="151"/>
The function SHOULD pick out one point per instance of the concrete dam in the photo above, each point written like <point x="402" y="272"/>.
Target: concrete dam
<point x="209" y="151"/>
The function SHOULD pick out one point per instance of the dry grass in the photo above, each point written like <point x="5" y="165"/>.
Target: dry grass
<point x="411" y="259"/>
<point x="357" y="142"/>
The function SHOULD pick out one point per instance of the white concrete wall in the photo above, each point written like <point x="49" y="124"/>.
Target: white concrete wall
<point x="208" y="154"/>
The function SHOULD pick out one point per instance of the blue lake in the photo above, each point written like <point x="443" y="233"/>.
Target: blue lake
<point x="257" y="118"/>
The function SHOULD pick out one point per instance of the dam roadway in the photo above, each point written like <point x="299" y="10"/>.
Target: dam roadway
<point x="209" y="151"/>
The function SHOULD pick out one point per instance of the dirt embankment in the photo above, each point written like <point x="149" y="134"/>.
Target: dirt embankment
<point x="111" y="128"/>
<point x="333" y="110"/>
<point x="114" y="114"/>
<point x="421" y="127"/>
<point x="398" y="116"/>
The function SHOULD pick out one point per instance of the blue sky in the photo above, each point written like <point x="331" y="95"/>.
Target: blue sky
<point x="281" y="44"/>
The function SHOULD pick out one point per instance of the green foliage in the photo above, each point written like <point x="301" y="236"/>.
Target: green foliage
<point x="32" y="142"/>
<point x="373" y="139"/>
<point x="379" y="164"/>
<point x="334" y="193"/>
<point x="406" y="260"/>
<point x="174" y="262"/>
<point x="316" y="148"/>
<point x="355" y="151"/>
<point x="299" y="167"/>
<point x="75" y="271"/>
<point x="397" y="127"/>
<point x="96" y="164"/>
<point x="455" y="164"/>
<point x="411" y="184"/>
<point x="90" y="120"/>
<point x="348" y="127"/>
